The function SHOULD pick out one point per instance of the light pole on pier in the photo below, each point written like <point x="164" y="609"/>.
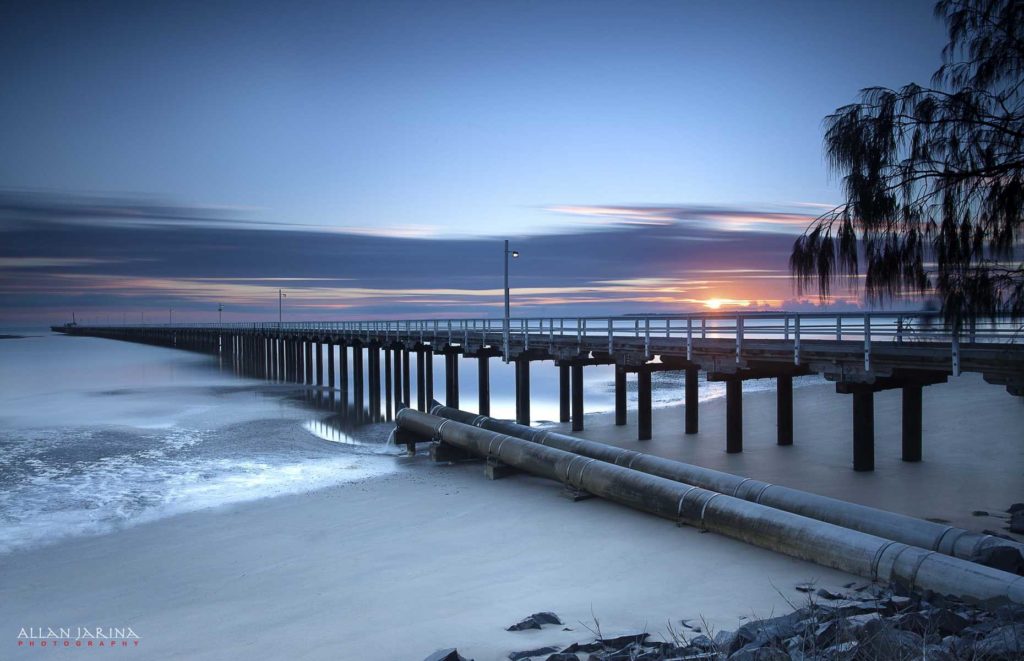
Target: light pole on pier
<point x="170" y="316"/>
<point x="505" y="329"/>
<point x="280" y="306"/>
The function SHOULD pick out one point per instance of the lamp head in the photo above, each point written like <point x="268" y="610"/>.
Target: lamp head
<point x="515" y="253"/>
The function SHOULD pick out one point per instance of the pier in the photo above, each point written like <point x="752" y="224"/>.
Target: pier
<point x="863" y="353"/>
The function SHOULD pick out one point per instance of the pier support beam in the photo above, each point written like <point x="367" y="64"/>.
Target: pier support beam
<point x="330" y="366"/>
<point x="733" y="415"/>
<point x="309" y="362"/>
<point x="373" y="364"/>
<point x="912" y="422"/>
<point x="357" y="380"/>
<point x="523" y="391"/>
<point x="620" y="395"/>
<point x="388" y="392"/>
<point x="643" y="383"/>
<point x="398" y="381"/>
<point x="577" y="397"/>
<point x="484" y="384"/>
<point x="451" y="378"/>
<point x="784" y="414"/>
<point x="421" y="382"/>
<point x="428" y="358"/>
<point x="343" y="373"/>
<point x="691" y="410"/>
<point x="319" y="363"/>
<point x="863" y="427"/>
<point x="563" y="393"/>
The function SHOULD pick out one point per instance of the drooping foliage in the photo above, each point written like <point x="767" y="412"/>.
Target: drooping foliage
<point x="933" y="177"/>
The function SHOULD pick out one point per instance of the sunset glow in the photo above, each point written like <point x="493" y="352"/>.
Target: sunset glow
<point x="717" y="303"/>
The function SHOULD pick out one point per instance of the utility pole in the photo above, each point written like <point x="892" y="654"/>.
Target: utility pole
<point x="505" y="332"/>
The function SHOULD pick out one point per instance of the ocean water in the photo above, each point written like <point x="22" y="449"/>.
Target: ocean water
<point x="98" y="434"/>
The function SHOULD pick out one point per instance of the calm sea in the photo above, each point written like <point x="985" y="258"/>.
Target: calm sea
<point x="98" y="434"/>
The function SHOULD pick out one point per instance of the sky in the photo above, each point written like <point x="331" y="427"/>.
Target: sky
<point x="369" y="157"/>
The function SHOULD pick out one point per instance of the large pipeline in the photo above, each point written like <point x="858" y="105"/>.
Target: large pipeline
<point x="827" y="544"/>
<point x="944" y="539"/>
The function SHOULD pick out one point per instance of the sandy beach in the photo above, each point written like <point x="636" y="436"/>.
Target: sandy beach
<point x="434" y="556"/>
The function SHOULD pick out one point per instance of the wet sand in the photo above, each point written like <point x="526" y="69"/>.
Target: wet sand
<point x="436" y="556"/>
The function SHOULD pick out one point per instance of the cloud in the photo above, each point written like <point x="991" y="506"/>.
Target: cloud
<point x="57" y="254"/>
<point x="702" y="217"/>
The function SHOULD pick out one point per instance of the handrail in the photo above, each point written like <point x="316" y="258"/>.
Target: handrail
<point x="742" y="329"/>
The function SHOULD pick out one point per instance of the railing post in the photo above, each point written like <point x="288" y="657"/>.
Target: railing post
<point x="839" y="327"/>
<point x="796" y="340"/>
<point x="867" y="342"/>
<point x="647" y="339"/>
<point x="689" y="339"/>
<point x="786" y="331"/>
<point x="739" y="338"/>
<point x="899" y="330"/>
<point x="955" y="344"/>
<point x="524" y="324"/>
<point x="609" y="335"/>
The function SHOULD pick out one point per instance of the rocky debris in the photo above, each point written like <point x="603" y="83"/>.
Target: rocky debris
<point x="535" y="621"/>
<point x="1017" y="522"/>
<point x="1016" y="507"/>
<point x="529" y="654"/>
<point x="862" y="621"/>
<point x="450" y="654"/>
<point x="1004" y="558"/>
<point x="979" y="513"/>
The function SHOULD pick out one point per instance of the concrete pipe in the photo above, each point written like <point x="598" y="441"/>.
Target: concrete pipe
<point x="944" y="539"/>
<point x="824" y="543"/>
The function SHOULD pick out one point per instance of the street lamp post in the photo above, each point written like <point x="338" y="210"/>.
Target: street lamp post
<point x="280" y="306"/>
<point x="170" y="316"/>
<point x="505" y="330"/>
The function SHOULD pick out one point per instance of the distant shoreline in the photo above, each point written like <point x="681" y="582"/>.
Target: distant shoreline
<point x="13" y="337"/>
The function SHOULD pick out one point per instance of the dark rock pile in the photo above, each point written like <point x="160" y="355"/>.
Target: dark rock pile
<point x="860" y="622"/>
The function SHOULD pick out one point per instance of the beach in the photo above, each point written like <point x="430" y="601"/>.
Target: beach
<point x="432" y="556"/>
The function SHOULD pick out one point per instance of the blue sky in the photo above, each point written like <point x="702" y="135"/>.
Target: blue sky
<point x="435" y="120"/>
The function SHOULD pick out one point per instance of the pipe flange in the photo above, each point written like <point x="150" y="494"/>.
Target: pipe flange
<point x="679" y="508"/>
<point x="704" y="509"/>
<point x="878" y="558"/>
<point x="760" y="494"/>
<point x="917" y="568"/>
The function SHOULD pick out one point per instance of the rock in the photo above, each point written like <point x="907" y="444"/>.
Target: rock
<point x="724" y="641"/>
<point x="757" y="653"/>
<point x="805" y="587"/>
<point x="562" y="656"/>
<point x="938" y="653"/>
<point x="535" y="621"/>
<point x="1004" y="558"/>
<point x="450" y="654"/>
<point x="517" y="656"/>
<point x="842" y="651"/>
<point x="583" y="647"/>
<point x="1017" y="522"/>
<point x="946" y="621"/>
<point x="702" y="643"/>
<point x="832" y="596"/>
<point x="881" y="640"/>
<point x="1005" y="642"/>
<point x="622" y="641"/>
<point x="1016" y="507"/>
<point x="979" y="513"/>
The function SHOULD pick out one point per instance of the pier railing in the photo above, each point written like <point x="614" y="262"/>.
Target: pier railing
<point x="792" y="328"/>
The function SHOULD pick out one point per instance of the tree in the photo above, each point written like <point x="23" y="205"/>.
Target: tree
<point x="933" y="177"/>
